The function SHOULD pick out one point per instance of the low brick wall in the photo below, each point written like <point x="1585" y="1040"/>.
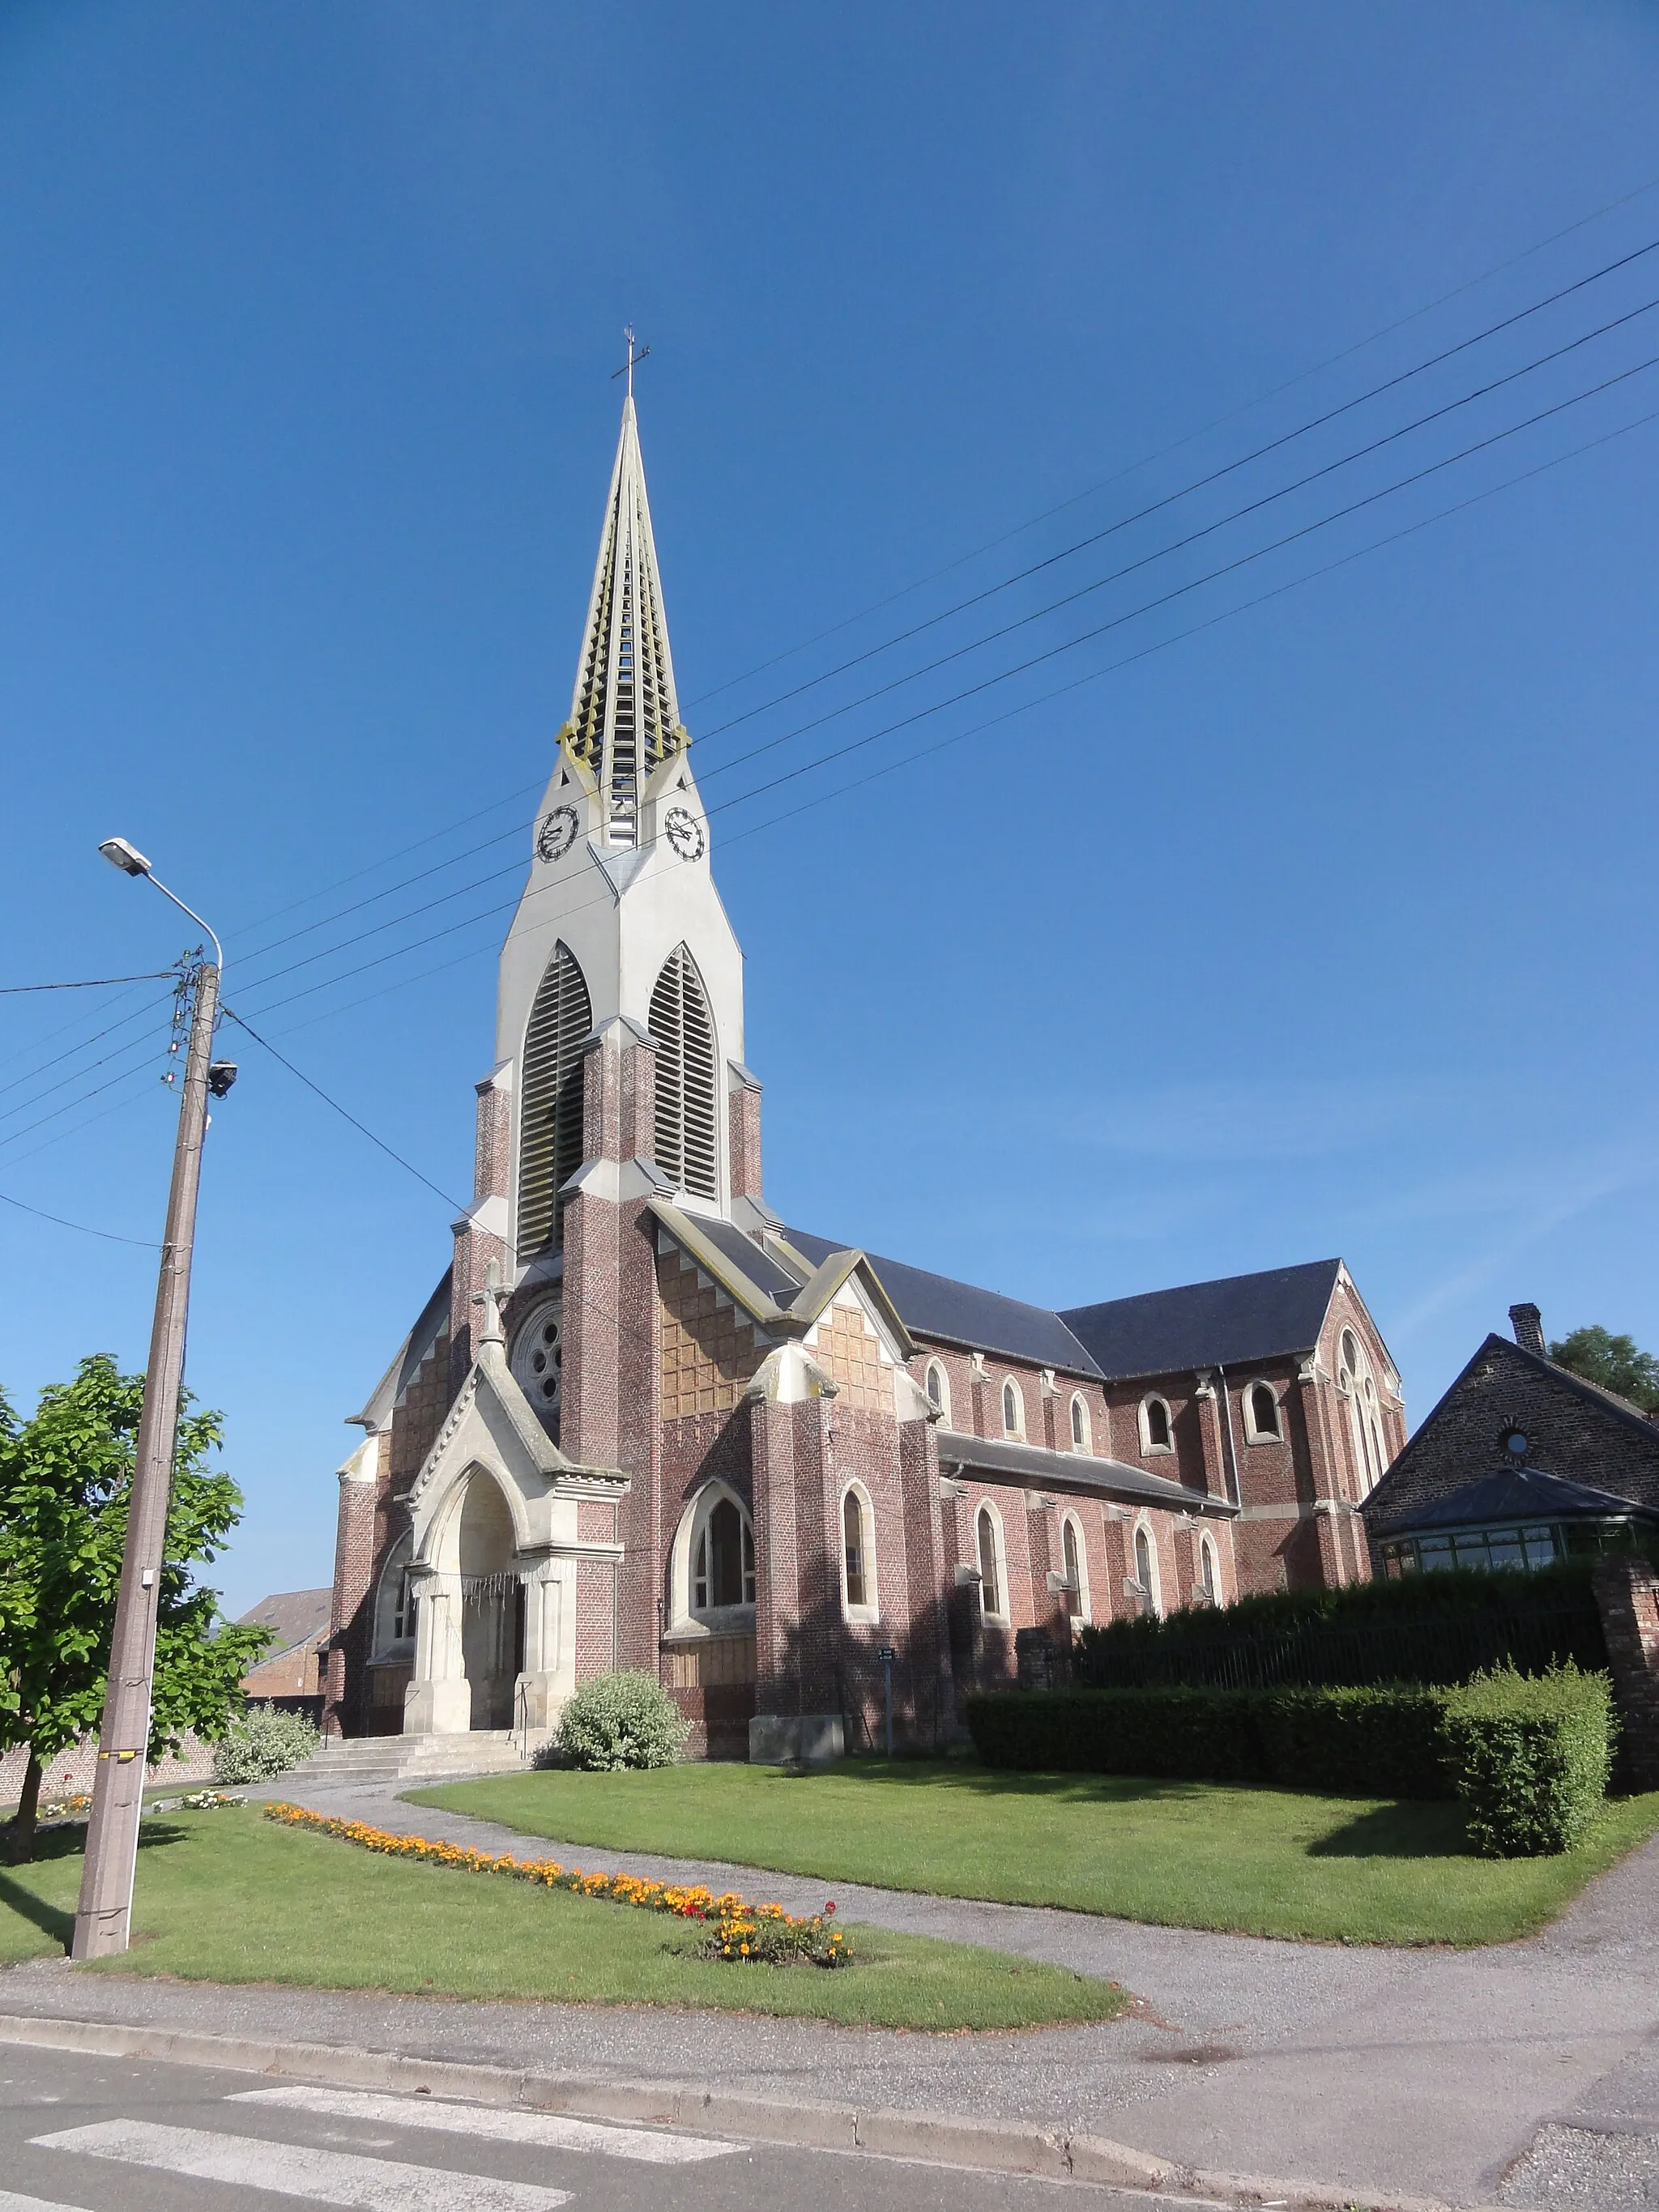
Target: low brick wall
<point x="72" y="1771"/>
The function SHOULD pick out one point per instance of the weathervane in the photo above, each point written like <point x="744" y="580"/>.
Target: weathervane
<point x="627" y="367"/>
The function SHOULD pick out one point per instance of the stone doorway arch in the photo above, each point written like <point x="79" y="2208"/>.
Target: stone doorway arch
<point x="492" y="1602"/>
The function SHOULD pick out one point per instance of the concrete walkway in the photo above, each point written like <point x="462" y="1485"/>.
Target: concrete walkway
<point x="1526" y="2074"/>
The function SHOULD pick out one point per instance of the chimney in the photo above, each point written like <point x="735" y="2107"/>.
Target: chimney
<point x="1529" y="1326"/>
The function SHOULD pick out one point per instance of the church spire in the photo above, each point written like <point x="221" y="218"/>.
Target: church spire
<point x="624" y="717"/>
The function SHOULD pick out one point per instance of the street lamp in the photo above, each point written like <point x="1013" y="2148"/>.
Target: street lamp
<point x="103" y="1916"/>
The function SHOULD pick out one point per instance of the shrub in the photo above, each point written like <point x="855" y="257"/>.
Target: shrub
<point x="261" y="1742"/>
<point x="618" y="1721"/>
<point x="1530" y="1757"/>
<point x="1386" y="1741"/>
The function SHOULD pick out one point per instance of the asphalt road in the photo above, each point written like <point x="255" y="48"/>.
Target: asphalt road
<point x="120" y="2136"/>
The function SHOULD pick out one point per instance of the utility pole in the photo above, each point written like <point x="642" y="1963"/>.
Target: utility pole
<point x="103" y="1915"/>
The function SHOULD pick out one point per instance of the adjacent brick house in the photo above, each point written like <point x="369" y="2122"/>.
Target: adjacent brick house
<point x="641" y="1422"/>
<point x="1521" y="1459"/>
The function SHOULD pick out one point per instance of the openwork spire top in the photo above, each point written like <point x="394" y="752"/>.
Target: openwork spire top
<point x="624" y="717"/>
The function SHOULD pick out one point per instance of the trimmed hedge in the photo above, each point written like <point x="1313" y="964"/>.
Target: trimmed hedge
<point x="1383" y="1741"/>
<point x="1193" y="1735"/>
<point x="1434" y="1628"/>
<point x="1387" y="1740"/>
<point x="1531" y="1758"/>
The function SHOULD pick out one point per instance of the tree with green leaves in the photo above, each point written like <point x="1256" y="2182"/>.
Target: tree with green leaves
<point x="65" y="1480"/>
<point x="1613" y="1362"/>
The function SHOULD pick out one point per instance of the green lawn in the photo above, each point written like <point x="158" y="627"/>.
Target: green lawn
<point x="1192" y="1855"/>
<point x="228" y="1897"/>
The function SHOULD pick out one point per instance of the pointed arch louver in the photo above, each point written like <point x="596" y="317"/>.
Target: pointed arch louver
<point x="550" y="1101"/>
<point x="685" y="1033"/>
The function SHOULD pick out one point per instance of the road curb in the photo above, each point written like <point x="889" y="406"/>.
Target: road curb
<point x="932" y="2138"/>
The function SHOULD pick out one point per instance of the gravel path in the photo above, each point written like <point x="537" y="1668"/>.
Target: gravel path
<point x="1430" y="2072"/>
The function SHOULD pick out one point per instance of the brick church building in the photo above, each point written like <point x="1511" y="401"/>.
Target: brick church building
<point x="641" y="1422"/>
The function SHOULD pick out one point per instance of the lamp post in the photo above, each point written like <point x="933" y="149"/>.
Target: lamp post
<point x="103" y="1915"/>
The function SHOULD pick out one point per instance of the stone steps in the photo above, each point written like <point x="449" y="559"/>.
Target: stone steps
<point x="343" y="1762"/>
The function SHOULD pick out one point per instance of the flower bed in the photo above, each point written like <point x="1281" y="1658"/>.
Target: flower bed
<point x="744" y="1934"/>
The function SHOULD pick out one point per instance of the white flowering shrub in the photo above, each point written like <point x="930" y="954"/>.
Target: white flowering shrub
<point x="618" y="1721"/>
<point x="261" y="1742"/>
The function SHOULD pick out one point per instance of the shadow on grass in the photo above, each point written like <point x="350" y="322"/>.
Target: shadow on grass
<point x="962" y="1777"/>
<point x="1397" y="1832"/>
<point x="68" y="1842"/>
<point x="51" y="1920"/>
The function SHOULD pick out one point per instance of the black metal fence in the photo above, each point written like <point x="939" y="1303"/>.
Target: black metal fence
<point x="1437" y="1648"/>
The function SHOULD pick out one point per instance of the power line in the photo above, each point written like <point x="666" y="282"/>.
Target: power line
<point x="1504" y="323"/>
<point x="1181" y="590"/>
<point x="24" y="1104"/>
<point x="1300" y="431"/>
<point x="1021" y="622"/>
<point x="1210" y="622"/>
<point x="1049" y="653"/>
<point x="90" y="983"/>
<point x="1162" y="552"/>
<point x="147" y="1244"/>
<point x="414" y="846"/>
<point x="362" y="1127"/>
<point x="55" y="1060"/>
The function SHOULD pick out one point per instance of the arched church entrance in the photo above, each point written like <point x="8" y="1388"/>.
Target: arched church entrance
<point x="492" y="1602"/>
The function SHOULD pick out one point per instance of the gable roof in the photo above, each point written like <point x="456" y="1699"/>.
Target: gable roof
<point x="784" y="1289"/>
<point x="957" y="1313"/>
<point x="1230" y="1324"/>
<point x="1416" y="1461"/>
<point x="293" y="1616"/>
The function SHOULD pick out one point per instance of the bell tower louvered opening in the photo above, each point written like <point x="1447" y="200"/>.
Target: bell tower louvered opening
<point x="685" y="1089"/>
<point x="550" y="1102"/>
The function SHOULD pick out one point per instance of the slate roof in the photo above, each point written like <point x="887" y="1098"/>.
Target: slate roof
<point x="294" y="1616"/>
<point x="956" y="1313"/>
<point x="1514" y="1494"/>
<point x="1074" y="1471"/>
<point x="1230" y="1324"/>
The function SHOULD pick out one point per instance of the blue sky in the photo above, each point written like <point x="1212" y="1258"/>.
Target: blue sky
<point x="1325" y="927"/>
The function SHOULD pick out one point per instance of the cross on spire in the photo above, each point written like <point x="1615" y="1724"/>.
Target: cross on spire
<point x="634" y="358"/>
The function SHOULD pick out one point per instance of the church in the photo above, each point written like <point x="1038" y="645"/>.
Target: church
<point x="642" y="1422"/>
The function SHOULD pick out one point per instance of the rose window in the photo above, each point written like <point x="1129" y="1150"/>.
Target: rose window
<point x="538" y="1359"/>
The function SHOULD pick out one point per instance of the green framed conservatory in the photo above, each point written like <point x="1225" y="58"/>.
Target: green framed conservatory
<point x="1519" y="1516"/>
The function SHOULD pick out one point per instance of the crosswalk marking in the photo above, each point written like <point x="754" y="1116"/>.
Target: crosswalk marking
<point x="324" y="2177"/>
<point x="500" y="2124"/>
<point x="10" y="2203"/>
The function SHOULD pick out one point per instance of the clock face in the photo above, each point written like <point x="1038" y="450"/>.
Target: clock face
<point x="685" y="833"/>
<point x="556" y="832"/>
